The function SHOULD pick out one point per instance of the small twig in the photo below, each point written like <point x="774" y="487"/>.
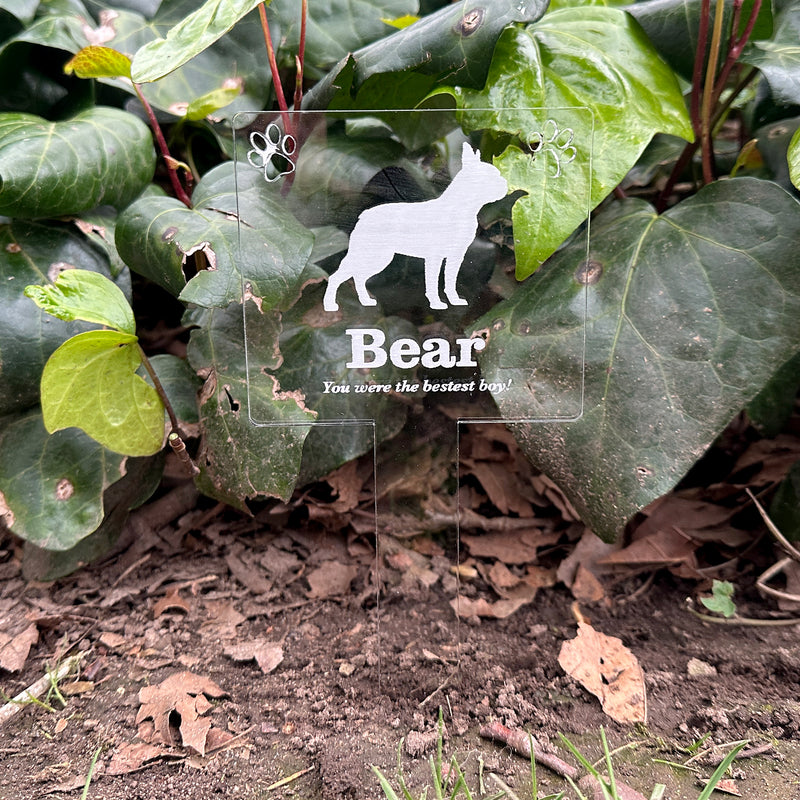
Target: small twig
<point x="38" y="688"/>
<point x="180" y="192"/>
<point x="438" y="689"/>
<point x="751" y="752"/>
<point x="179" y="448"/>
<point x="521" y="743"/>
<point x="737" y="620"/>
<point x="288" y="779"/>
<point x="785" y="543"/>
<point x="770" y="573"/>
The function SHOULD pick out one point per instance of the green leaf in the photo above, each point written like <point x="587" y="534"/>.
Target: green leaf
<point x="96" y="61"/>
<point x="592" y="57"/>
<point x="794" y="159"/>
<point x="155" y="235"/>
<point x="239" y="459"/>
<point x="333" y="29"/>
<point x="102" y="156"/>
<point x="88" y="296"/>
<point x="180" y="383"/>
<point x="36" y="253"/>
<point x="53" y="485"/>
<point x="210" y="102"/>
<point x="672" y="26"/>
<point x="90" y="383"/>
<point x="140" y="478"/>
<point x="721" y="601"/>
<point x="689" y="315"/>
<point x="773" y="406"/>
<point x="454" y="44"/>
<point x="188" y="38"/>
<point x="778" y="58"/>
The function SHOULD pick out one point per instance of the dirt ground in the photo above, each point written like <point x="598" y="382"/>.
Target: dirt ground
<point x="355" y="676"/>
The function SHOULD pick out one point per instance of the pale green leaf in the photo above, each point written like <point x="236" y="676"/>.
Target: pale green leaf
<point x="96" y="61"/>
<point x="88" y="296"/>
<point x="188" y="38"/>
<point x="90" y="383"/>
<point x="794" y="159"/>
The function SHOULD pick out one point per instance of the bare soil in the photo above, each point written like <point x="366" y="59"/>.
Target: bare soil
<point x="358" y="674"/>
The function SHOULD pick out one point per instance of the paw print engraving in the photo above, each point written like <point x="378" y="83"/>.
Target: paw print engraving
<point x="272" y="152"/>
<point x="555" y="142"/>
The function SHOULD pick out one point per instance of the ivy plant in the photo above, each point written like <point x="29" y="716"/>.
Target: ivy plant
<point x="116" y="146"/>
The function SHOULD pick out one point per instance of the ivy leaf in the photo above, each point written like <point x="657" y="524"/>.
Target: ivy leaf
<point x="210" y="102"/>
<point x="721" y="601"/>
<point x="155" y="236"/>
<point x="90" y="383"/>
<point x="238" y="459"/>
<point x="89" y="296"/>
<point x="334" y="29"/>
<point x="33" y="252"/>
<point x="188" y="38"/>
<point x="793" y="156"/>
<point x="96" y="61"/>
<point x="454" y="44"/>
<point x="592" y="57"/>
<point x="778" y="58"/>
<point x="53" y="485"/>
<point x="102" y="156"/>
<point x="689" y="315"/>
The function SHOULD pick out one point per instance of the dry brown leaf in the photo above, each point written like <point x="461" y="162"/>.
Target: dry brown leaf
<point x="267" y="654"/>
<point x="585" y="586"/>
<point x="513" y="547"/>
<point x="131" y="757"/>
<point x="466" y="607"/>
<point x="184" y="693"/>
<point x="347" y="484"/>
<point x="14" y="648"/>
<point x="330" y="579"/>
<point x="171" y="600"/>
<point x="611" y="672"/>
<point x="250" y="576"/>
<point x="113" y="641"/>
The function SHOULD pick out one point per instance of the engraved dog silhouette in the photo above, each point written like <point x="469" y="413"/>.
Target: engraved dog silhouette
<point x="439" y="231"/>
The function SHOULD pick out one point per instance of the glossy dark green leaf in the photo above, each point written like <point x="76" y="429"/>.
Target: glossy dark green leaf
<point x="102" y="156"/>
<point x="90" y="383"/>
<point x="140" y="479"/>
<point x="155" y="235"/>
<point x="32" y="252"/>
<point x="689" y="315"/>
<point x="239" y="459"/>
<point x="333" y="29"/>
<point x="454" y="43"/>
<point x="53" y="485"/>
<point x="596" y="58"/>
<point x="778" y="58"/>
<point x="773" y="406"/>
<point x="188" y="38"/>
<point x="672" y="26"/>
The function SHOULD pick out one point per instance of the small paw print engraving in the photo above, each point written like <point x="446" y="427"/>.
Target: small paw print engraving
<point x="556" y="143"/>
<point x="272" y="152"/>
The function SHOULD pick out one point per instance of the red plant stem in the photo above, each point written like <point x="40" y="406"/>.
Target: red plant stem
<point x="737" y="45"/>
<point x="180" y="192"/>
<point x="273" y="66"/>
<point x="300" y="60"/>
<point x="699" y="59"/>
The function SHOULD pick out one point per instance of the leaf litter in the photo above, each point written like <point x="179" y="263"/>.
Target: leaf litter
<point x="286" y="599"/>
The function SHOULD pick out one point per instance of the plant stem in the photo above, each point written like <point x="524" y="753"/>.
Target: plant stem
<point x="706" y="142"/>
<point x="180" y="192"/>
<point x="697" y="72"/>
<point x="736" y="45"/>
<point x="300" y="58"/>
<point x="273" y="67"/>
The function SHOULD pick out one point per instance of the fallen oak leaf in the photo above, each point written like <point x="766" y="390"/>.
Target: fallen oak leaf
<point x="14" y="649"/>
<point x="184" y="693"/>
<point x="611" y="672"/>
